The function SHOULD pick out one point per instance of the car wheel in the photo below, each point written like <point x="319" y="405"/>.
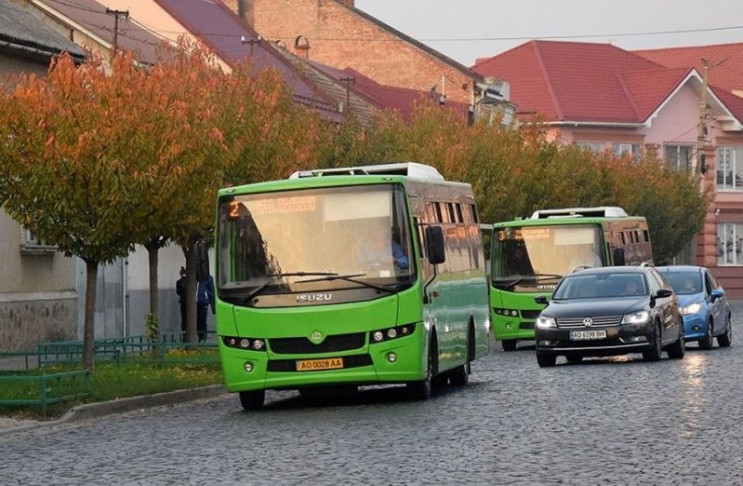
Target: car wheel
<point x="546" y="360"/>
<point x="252" y="400"/>
<point x="706" y="341"/>
<point x="654" y="353"/>
<point x="509" y="344"/>
<point x="725" y="339"/>
<point x="678" y="349"/>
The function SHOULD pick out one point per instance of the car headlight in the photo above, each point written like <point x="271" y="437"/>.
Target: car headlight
<point x="544" y="322"/>
<point x="691" y="308"/>
<point x="636" y="317"/>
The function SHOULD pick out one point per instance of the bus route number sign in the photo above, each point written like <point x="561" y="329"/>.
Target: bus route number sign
<point x="319" y="364"/>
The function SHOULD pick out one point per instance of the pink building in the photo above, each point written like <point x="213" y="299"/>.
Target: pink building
<point x="665" y="102"/>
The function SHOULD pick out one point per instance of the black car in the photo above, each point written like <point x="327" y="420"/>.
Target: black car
<point x="610" y="311"/>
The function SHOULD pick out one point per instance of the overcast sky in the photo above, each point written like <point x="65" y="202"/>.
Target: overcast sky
<point x="467" y="29"/>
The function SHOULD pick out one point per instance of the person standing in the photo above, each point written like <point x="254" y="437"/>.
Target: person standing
<point x="180" y="289"/>
<point x="204" y="299"/>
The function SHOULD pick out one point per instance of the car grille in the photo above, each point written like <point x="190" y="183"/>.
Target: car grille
<point x="598" y="321"/>
<point x="288" y="365"/>
<point x="331" y="344"/>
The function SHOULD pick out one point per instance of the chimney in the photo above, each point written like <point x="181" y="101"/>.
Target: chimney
<point x="245" y="11"/>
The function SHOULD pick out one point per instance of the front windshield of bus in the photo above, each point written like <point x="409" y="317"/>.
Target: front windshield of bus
<point x="315" y="239"/>
<point x="526" y="258"/>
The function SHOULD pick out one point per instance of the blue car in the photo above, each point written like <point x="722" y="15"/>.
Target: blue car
<point x="702" y="303"/>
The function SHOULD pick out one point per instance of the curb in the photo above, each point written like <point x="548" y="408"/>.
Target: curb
<point x="122" y="405"/>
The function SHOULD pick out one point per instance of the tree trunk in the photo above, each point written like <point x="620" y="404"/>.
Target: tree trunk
<point x="152" y="254"/>
<point x="190" y="254"/>
<point x="91" y="282"/>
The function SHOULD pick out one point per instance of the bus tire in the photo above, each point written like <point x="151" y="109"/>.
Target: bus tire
<point x="421" y="390"/>
<point x="509" y="344"/>
<point x="252" y="400"/>
<point x="460" y="375"/>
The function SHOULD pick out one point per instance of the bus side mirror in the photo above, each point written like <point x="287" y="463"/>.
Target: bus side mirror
<point x="435" y="245"/>
<point x="617" y="255"/>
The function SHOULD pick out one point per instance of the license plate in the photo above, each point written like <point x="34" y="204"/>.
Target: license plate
<point x="319" y="364"/>
<point x="584" y="335"/>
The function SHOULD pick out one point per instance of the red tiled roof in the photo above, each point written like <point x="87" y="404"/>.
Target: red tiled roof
<point x="582" y="82"/>
<point x="727" y="60"/>
<point x="223" y="32"/>
<point x="400" y="100"/>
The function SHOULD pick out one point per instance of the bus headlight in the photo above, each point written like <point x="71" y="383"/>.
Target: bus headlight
<point x="244" y="343"/>
<point x="389" y="333"/>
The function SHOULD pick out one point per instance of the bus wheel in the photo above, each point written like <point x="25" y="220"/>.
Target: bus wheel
<point x="252" y="400"/>
<point x="460" y="376"/>
<point x="421" y="390"/>
<point x="509" y="344"/>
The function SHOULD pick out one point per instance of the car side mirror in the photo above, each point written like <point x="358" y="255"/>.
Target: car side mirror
<point x="435" y="245"/>
<point x="716" y="294"/>
<point x="541" y="299"/>
<point x="663" y="293"/>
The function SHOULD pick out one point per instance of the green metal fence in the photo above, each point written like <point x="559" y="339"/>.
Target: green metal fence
<point x="42" y="390"/>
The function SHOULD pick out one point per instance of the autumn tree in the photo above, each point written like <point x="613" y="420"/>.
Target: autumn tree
<point x="68" y="181"/>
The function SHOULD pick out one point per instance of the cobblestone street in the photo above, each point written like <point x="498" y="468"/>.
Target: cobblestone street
<point x="605" y="421"/>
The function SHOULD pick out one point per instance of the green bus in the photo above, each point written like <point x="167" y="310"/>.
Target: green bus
<point x="529" y="256"/>
<point x="307" y="299"/>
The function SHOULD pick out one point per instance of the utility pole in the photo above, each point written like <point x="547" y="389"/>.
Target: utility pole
<point x="252" y="42"/>
<point x="117" y="14"/>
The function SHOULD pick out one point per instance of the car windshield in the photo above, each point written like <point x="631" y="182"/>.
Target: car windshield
<point x="311" y="240"/>
<point x="603" y="285"/>
<point x="685" y="283"/>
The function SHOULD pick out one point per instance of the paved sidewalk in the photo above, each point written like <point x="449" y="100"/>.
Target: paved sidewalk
<point x="93" y="410"/>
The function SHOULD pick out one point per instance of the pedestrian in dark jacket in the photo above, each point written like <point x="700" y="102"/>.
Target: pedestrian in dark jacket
<point x="204" y="299"/>
<point x="180" y="289"/>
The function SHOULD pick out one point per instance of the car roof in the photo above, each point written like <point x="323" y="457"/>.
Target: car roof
<point x="680" y="268"/>
<point x="614" y="269"/>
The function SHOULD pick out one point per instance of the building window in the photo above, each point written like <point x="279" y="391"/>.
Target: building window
<point x="629" y="149"/>
<point x="679" y="157"/>
<point x="729" y="244"/>
<point x="31" y="245"/>
<point x="729" y="169"/>
<point x="595" y="147"/>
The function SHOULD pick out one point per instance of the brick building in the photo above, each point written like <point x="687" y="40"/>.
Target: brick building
<point x="335" y="33"/>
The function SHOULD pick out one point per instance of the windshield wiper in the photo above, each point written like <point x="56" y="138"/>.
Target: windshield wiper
<point x="547" y="276"/>
<point x="272" y="277"/>
<point x="351" y="277"/>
